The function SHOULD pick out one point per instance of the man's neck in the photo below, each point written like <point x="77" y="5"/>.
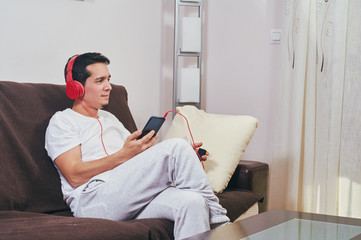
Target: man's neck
<point x="82" y="109"/>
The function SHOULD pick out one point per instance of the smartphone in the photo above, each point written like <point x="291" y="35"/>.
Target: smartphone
<point x="154" y="123"/>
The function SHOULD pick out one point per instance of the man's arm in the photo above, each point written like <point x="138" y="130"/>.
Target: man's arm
<point x="78" y="172"/>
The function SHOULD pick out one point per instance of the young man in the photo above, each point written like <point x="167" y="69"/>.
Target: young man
<point x="106" y="172"/>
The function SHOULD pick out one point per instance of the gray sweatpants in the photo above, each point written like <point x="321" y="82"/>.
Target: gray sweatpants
<point x="165" y="181"/>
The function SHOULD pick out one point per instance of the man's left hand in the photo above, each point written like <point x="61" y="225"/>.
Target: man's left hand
<point x="198" y="145"/>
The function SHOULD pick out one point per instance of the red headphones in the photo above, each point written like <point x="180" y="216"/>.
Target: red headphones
<point x="74" y="89"/>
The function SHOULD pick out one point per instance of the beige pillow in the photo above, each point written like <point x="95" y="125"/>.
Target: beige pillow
<point x="225" y="137"/>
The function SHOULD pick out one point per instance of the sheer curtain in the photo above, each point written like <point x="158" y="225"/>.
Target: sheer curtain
<point x="316" y="162"/>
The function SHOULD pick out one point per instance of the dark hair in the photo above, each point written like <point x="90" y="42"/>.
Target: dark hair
<point x="79" y="71"/>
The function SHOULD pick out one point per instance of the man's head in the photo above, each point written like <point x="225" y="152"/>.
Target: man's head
<point x="80" y="72"/>
<point x="90" y="71"/>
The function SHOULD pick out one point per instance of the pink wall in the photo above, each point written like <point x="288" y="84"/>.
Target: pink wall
<point x="241" y="65"/>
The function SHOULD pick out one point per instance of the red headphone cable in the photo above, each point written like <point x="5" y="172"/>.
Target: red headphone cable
<point x="165" y="115"/>
<point x="190" y="133"/>
<point x="101" y="126"/>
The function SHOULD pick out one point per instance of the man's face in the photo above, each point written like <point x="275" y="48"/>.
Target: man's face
<point x="97" y="86"/>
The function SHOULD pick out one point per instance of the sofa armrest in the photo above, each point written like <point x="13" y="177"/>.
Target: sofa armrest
<point x="251" y="176"/>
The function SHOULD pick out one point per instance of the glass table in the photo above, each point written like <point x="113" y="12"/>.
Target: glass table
<point x="282" y="224"/>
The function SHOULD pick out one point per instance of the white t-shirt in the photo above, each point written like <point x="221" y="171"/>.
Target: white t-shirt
<point x="68" y="129"/>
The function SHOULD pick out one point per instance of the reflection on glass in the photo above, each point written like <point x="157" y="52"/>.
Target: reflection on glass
<point x="301" y="229"/>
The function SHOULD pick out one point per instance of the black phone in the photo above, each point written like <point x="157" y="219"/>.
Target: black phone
<point x="154" y="123"/>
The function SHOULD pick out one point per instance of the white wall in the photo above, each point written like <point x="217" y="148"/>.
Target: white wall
<point x="239" y="69"/>
<point x="38" y="36"/>
<point x="241" y="65"/>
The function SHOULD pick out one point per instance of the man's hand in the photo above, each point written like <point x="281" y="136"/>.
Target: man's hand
<point x="134" y="146"/>
<point x="198" y="145"/>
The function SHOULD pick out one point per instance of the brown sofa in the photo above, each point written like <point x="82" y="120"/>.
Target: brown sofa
<point x="31" y="203"/>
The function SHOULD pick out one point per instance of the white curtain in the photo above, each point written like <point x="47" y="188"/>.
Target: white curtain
<point x="316" y="162"/>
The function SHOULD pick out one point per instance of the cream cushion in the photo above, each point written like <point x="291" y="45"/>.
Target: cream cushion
<point x="225" y="137"/>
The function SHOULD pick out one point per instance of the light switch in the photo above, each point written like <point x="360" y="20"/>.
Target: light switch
<point x="275" y="36"/>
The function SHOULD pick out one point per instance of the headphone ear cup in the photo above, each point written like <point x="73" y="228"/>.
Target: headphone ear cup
<point x="74" y="90"/>
<point x="80" y="88"/>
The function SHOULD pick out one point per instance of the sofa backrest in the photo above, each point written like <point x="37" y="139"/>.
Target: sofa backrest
<point x="28" y="178"/>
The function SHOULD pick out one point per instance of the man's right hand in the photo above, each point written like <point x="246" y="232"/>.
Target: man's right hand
<point x="134" y="146"/>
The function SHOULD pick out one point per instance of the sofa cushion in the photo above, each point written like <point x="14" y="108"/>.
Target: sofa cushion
<point x="29" y="180"/>
<point x="24" y="225"/>
<point x="225" y="137"/>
